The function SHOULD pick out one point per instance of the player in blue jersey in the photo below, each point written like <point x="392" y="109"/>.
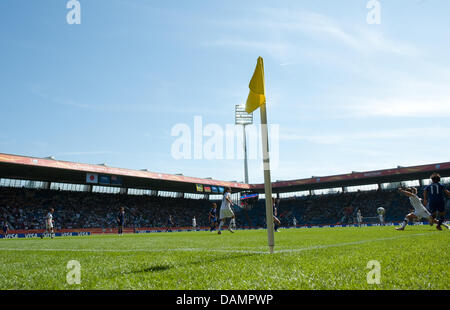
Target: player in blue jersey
<point x="170" y="223"/>
<point x="212" y="216"/>
<point x="276" y="221"/>
<point x="5" y="228"/>
<point x="434" y="198"/>
<point x="121" y="220"/>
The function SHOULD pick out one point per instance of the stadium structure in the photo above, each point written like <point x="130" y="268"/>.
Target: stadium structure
<point x="32" y="173"/>
<point x="48" y="173"/>
<point x="51" y="174"/>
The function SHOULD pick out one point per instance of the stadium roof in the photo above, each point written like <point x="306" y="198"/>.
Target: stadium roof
<point x="51" y="170"/>
<point x="398" y="174"/>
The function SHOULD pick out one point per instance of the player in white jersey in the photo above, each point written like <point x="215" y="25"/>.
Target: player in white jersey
<point x="226" y="211"/>
<point x="381" y="212"/>
<point x="194" y="223"/>
<point x="420" y="212"/>
<point x="49" y="224"/>
<point x="359" y="217"/>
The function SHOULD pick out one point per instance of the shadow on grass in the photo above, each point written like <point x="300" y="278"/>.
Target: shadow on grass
<point x="161" y="268"/>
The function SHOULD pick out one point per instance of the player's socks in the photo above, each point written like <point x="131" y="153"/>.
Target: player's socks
<point x="219" y="230"/>
<point x="232" y="223"/>
<point x="405" y="222"/>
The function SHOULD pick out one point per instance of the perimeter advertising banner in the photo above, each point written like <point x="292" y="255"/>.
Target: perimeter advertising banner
<point x="38" y="235"/>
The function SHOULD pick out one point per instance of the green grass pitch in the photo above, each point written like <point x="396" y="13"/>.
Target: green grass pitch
<point x="318" y="258"/>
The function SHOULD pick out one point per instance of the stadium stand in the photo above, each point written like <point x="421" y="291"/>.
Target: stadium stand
<point x="30" y="186"/>
<point x="337" y="208"/>
<point x="25" y="209"/>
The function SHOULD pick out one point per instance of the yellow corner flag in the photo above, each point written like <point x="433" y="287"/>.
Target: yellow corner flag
<point x="257" y="95"/>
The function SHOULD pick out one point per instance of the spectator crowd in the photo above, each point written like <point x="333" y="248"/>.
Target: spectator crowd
<point x="24" y="208"/>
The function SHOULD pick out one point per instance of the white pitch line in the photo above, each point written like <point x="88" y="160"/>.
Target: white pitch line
<point x="316" y="247"/>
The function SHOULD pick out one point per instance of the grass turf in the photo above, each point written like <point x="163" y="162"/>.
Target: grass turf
<point x="322" y="258"/>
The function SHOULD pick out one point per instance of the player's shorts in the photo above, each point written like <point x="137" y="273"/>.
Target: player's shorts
<point x="213" y="220"/>
<point x="49" y="225"/>
<point x="439" y="207"/>
<point x="226" y="213"/>
<point x="120" y="223"/>
<point x="422" y="214"/>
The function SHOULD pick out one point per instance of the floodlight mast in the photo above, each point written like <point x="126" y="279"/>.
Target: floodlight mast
<point x="243" y="118"/>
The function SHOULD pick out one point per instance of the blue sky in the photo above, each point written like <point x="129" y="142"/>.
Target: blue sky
<point x="347" y="96"/>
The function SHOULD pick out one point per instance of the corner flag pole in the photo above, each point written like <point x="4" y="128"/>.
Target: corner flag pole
<point x="267" y="181"/>
<point x="257" y="99"/>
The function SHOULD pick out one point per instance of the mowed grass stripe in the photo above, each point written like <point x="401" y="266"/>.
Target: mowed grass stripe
<point x="328" y="258"/>
<point x="223" y="250"/>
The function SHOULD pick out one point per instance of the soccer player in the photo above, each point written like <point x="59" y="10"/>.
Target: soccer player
<point x="420" y="212"/>
<point x="212" y="216"/>
<point x="225" y="211"/>
<point x="276" y="221"/>
<point x="381" y="213"/>
<point x="5" y="228"/>
<point x="359" y="217"/>
<point x="433" y="197"/>
<point x="294" y="222"/>
<point x="120" y="221"/>
<point x="194" y="223"/>
<point x="49" y="224"/>
<point x="169" y="223"/>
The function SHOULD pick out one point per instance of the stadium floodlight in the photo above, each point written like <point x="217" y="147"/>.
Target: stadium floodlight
<point x="243" y="118"/>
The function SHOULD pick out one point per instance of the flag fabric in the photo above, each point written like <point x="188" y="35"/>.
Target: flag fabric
<point x="92" y="178"/>
<point x="257" y="95"/>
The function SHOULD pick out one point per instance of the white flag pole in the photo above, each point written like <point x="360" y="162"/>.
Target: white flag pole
<point x="267" y="182"/>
